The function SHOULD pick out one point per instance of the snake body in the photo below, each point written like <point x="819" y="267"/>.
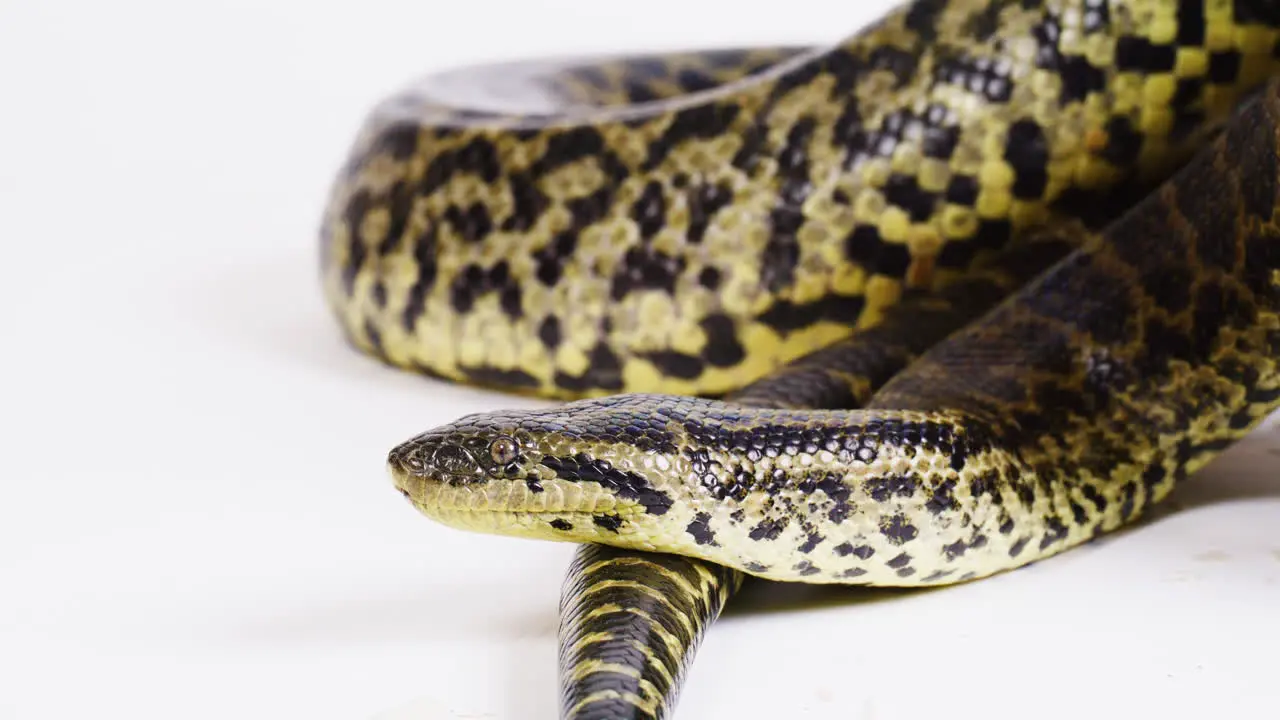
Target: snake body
<point x="950" y="342"/>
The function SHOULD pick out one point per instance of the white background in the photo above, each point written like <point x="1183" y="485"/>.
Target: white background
<point x="194" y="516"/>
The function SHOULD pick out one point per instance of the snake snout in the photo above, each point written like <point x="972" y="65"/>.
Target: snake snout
<point x="434" y="459"/>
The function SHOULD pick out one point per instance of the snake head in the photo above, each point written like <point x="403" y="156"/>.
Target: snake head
<point x="591" y="471"/>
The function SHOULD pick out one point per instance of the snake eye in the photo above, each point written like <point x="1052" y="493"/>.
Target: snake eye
<point x="504" y="450"/>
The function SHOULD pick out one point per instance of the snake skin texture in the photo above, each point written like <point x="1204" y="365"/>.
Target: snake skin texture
<point x="694" y="244"/>
<point x="653" y="636"/>
<point x="630" y="623"/>
<point x="803" y="233"/>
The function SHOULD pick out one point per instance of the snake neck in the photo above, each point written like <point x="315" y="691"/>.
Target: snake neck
<point x="836" y="496"/>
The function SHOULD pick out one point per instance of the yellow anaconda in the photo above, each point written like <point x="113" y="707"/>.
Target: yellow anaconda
<point x="952" y="341"/>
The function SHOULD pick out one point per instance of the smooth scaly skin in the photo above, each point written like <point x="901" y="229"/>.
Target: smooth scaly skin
<point x="625" y="647"/>
<point x="1150" y="108"/>
<point x="693" y="244"/>
<point x="630" y="624"/>
<point x="1061" y="415"/>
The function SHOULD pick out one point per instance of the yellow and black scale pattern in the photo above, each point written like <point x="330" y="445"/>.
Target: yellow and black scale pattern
<point x="694" y="231"/>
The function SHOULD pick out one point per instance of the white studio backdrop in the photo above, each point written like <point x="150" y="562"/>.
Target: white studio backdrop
<point x="194" y="517"/>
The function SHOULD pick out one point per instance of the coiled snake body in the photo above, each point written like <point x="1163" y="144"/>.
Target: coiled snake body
<point x="951" y="328"/>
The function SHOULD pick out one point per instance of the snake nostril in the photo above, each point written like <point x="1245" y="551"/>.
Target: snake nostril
<point x="407" y="459"/>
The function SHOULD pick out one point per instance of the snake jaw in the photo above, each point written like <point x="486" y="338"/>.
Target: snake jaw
<point x="561" y="511"/>
<point x="452" y="475"/>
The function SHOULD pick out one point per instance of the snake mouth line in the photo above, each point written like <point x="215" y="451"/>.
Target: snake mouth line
<point x="613" y="525"/>
<point x="434" y="496"/>
<point x="521" y="512"/>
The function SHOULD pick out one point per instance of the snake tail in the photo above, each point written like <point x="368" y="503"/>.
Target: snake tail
<point x="630" y="625"/>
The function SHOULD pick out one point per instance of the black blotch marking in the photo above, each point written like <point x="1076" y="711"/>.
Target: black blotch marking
<point x="940" y="142"/>
<point x="905" y="192"/>
<point x="700" y="121"/>
<point x="561" y="525"/>
<point x="1139" y="54"/>
<point x="1124" y="142"/>
<point x="608" y="522"/>
<point x="1027" y="152"/>
<point x="650" y="210"/>
<point x="786" y="316"/>
<point x="1242" y="420"/>
<point x="424" y="255"/>
<point x="811" y="542"/>
<point x="1080" y="78"/>
<point x="881" y="489"/>
<point x="923" y="17"/>
<point x="704" y="203"/>
<point x="782" y="251"/>
<point x="590" y="209"/>
<point x="700" y="529"/>
<point x="627" y="484"/>
<point x="511" y="301"/>
<point x="1055" y="531"/>
<point x="644" y="268"/>
<point x="834" y="487"/>
<point x="865" y="247"/>
<point x="984" y="23"/>
<point x="1191" y="22"/>
<point x="576" y="144"/>
<point x="723" y="348"/>
<point x="962" y="190"/>
<point x="604" y="371"/>
<point x="1224" y="66"/>
<point x="352" y="215"/>
<point x="552" y="258"/>
<point x="676" y="364"/>
<point x="527" y="201"/>
<point x="374" y="337"/>
<point x="899" y="562"/>
<point x="768" y="529"/>
<point x="472" y="223"/>
<point x="1018" y="547"/>
<point x="549" y="332"/>
<point x="478" y="157"/>
<point x="806" y="568"/>
<point x="943" y="497"/>
<point x="898" y="530"/>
